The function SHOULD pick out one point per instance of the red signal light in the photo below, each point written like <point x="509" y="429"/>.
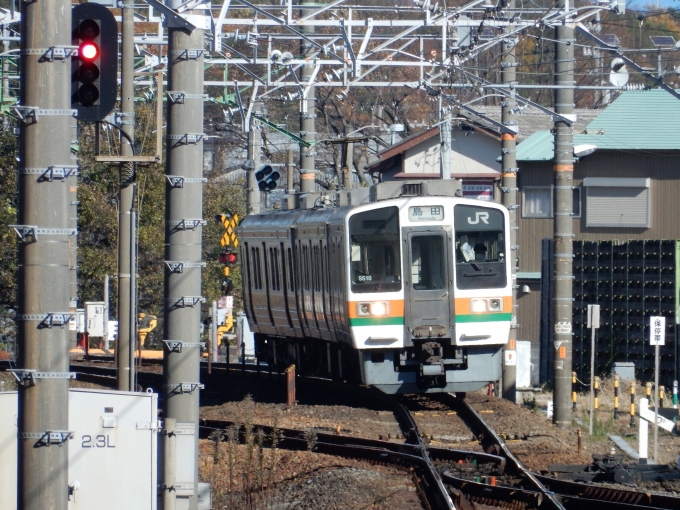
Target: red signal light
<point x="88" y="51"/>
<point x="228" y="259"/>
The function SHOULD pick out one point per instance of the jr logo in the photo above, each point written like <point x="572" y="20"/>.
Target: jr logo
<point x="484" y="216"/>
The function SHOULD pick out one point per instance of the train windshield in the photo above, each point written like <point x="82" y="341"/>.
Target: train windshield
<point x="480" y="247"/>
<point x="375" y="261"/>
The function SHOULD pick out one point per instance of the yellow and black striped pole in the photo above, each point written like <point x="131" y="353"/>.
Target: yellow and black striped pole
<point x="573" y="390"/>
<point x="648" y="393"/>
<point x="632" y="404"/>
<point x="616" y="397"/>
<point x="661" y="395"/>
<point x="596" y="387"/>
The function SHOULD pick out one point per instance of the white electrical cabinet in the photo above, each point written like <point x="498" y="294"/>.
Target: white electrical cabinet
<point x="112" y="451"/>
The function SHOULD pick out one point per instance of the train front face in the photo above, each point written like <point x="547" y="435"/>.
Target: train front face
<point x="429" y="288"/>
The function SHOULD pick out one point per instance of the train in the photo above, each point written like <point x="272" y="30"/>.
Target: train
<point x="403" y="285"/>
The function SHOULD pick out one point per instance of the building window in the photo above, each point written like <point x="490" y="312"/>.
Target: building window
<point x="617" y="202"/>
<point x="537" y="202"/>
<point x="577" y="202"/>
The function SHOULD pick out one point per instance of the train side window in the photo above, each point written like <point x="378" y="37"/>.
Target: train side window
<point x="257" y="268"/>
<point x="480" y="247"/>
<point x="317" y="268"/>
<point x="427" y="262"/>
<point x="375" y="253"/>
<point x="246" y="266"/>
<point x="274" y="264"/>
<point x="291" y="274"/>
<point x="305" y="267"/>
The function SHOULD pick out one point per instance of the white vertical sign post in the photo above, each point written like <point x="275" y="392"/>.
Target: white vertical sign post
<point x="593" y="324"/>
<point x="657" y="337"/>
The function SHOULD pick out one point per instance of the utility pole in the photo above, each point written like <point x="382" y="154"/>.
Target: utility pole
<point x="253" y="165"/>
<point x="183" y="239"/>
<point x="290" y="171"/>
<point x="43" y="278"/>
<point x="563" y="224"/>
<point x="445" y="137"/>
<point x="308" y="118"/>
<point x="127" y="320"/>
<point x="509" y="188"/>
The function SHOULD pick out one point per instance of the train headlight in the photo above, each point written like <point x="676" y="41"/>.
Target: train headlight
<point x="479" y="305"/>
<point x="379" y="309"/>
<point x="373" y="309"/>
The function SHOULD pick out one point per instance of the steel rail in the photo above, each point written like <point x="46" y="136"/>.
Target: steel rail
<point x="490" y="434"/>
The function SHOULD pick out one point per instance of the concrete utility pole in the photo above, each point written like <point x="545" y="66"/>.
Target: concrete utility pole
<point x="445" y="137"/>
<point x="43" y="278"/>
<point x="308" y="119"/>
<point x="563" y="234"/>
<point x="183" y="241"/>
<point x="127" y="320"/>
<point x="254" y="152"/>
<point x="509" y="187"/>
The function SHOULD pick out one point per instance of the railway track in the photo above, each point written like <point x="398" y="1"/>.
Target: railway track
<point x="446" y="478"/>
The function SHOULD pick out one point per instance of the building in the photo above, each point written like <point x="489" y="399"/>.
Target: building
<point x="626" y="187"/>
<point x="475" y="151"/>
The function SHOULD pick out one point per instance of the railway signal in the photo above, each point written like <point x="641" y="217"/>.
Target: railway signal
<point x="229" y="222"/>
<point x="228" y="257"/>
<point x="94" y="79"/>
<point x="267" y="178"/>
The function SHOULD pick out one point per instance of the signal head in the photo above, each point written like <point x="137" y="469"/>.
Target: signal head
<point x="88" y="51"/>
<point x="88" y="29"/>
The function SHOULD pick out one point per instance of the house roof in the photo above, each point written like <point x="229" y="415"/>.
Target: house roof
<point x="407" y="143"/>
<point x="529" y="121"/>
<point x="647" y="120"/>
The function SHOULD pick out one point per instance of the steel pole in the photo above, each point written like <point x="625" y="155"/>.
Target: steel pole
<point x="290" y="171"/>
<point x="509" y="189"/>
<point x="592" y="380"/>
<point x="73" y="260"/>
<point x="125" y="345"/>
<point x="445" y="138"/>
<point x="183" y="237"/>
<point x="563" y="225"/>
<point x="133" y="299"/>
<point x="106" y="312"/>
<point x="308" y="118"/>
<point x="254" y="150"/>
<point x="43" y="278"/>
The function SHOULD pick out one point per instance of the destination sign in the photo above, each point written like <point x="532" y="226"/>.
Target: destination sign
<point x="426" y="213"/>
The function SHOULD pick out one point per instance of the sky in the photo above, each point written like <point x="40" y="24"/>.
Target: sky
<point x="640" y="4"/>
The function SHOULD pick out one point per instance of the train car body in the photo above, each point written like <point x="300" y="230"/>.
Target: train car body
<point x="403" y="285"/>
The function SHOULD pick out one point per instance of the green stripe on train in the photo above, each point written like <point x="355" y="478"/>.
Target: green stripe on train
<point x="486" y="317"/>
<point x="377" y="321"/>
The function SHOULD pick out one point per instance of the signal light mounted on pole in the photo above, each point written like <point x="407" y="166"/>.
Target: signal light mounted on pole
<point x="94" y="78"/>
<point x="267" y="178"/>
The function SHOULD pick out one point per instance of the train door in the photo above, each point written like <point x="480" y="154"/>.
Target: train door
<point x="428" y="291"/>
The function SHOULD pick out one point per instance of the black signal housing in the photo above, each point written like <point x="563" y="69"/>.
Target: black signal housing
<point x="94" y="71"/>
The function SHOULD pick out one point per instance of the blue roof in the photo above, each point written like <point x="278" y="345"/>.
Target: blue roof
<point x="648" y="120"/>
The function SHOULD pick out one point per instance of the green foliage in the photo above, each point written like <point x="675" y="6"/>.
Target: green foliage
<point x="8" y="216"/>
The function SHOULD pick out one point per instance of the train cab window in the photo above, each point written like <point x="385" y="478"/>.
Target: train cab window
<point x="375" y="257"/>
<point x="427" y="262"/>
<point x="480" y="247"/>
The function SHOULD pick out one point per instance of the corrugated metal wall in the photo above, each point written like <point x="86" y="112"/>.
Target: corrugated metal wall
<point x="661" y="167"/>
